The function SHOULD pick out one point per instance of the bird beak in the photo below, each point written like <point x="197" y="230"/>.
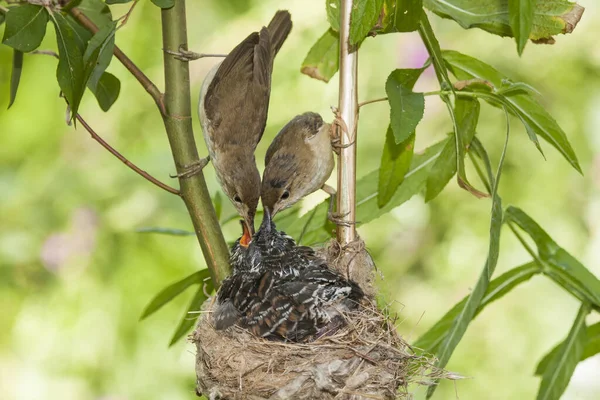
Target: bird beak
<point x="247" y="234"/>
<point x="265" y="226"/>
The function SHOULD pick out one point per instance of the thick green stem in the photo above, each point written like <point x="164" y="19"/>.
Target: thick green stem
<point x="178" y="123"/>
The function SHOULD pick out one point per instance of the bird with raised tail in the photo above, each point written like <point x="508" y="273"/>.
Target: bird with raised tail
<point x="282" y="291"/>
<point x="234" y="101"/>
<point x="298" y="162"/>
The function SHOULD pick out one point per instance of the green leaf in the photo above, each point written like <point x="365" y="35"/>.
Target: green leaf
<point x="106" y="90"/>
<point x="2" y="17"/>
<point x="442" y="171"/>
<point x="558" y="373"/>
<point x="15" y="75"/>
<point x="500" y="286"/>
<point x="70" y="71"/>
<point x="549" y="17"/>
<point x="591" y="348"/>
<point x="435" y="53"/>
<point x="117" y="1"/>
<point x="407" y="15"/>
<point x="25" y="27"/>
<point x="473" y="302"/>
<point x="395" y="162"/>
<point x="98" y="53"/>
<point x="97" y="11"/>
<point x="191" y="315"/>
<point x="322" y="60"/>
<point x="520" y="13"/>
<point x="559" y="265"/>
<point x="365" y="14"/>
<point x="406" y="106"/>
<point x="174" y="290"/>
<point x="164" y="3"/>
<point x="523" y="106"/>
<point x="218" y="204"/>
<point x="166" y="231"/>
<point x="317" y="228"/>
<point x="332" y="8"/>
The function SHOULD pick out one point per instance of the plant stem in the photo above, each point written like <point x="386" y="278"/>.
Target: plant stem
<point x="131" y="165"/>
<point x="364" y="103"/>
<point x="135" y="71"/>
<point x="348" y="112"/>
<point x="178" y="124"/>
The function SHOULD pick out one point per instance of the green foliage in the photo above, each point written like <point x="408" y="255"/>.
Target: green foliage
<point x="15" y="76"/>
<point x="407" y="15"/>
<point x="188" y="320"/>
<point x="395" y="162"/>
<point x="562" y="364"/>
<point x="25" y="27"/>
<point x="323" y="61"/>
<point x="442" y="171"/>
<point x="549" y="17"/>
<point x="363" y="18"/>
<point x="520" y="13"/>
<point x="164" y="3"/>
<point x="406" y="107"/>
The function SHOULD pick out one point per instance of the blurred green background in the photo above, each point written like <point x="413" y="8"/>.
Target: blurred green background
<point x="75" y="275"/>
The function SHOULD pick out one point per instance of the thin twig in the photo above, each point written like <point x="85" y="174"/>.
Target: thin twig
<point x="348" y="116"/>
<point x="125" y="17"/>
<point x="364" y="103"/>
<point x="131" y="165"/>
<point x="135" y="71"/>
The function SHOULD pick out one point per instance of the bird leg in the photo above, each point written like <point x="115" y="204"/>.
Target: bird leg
<point x="335" y="217"/>
<point x="186" y="55"/>
<point x="192" y="169"/>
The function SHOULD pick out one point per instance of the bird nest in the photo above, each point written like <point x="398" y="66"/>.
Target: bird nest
<point x="366" y="359"/>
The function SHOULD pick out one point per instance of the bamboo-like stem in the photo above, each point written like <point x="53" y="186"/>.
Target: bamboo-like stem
<point x="348" y="112"/>
<point x="178" y="123"/>
<point x="126" y="61"/>
<point x="125" y="161"/>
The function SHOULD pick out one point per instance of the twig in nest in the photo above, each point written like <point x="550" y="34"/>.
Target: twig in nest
<point x="131" y="165"/>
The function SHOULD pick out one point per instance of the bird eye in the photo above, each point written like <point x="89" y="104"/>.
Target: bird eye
<point x="285" y="195"/>
<point x="237" y="199"/>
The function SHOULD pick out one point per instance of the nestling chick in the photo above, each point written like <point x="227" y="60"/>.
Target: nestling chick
<point x="234" y="102"/>
<point x="279" y="290"/>
<point x="298" y="162"/>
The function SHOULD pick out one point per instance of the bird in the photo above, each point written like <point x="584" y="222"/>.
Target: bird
<point x="282" y="291"/>
<point x="298" y="162"/>
<point x="233" y="107"/>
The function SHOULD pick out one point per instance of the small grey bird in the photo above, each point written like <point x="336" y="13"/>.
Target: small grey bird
<point x="298" y="162"/>
<point x="234" y="101"/>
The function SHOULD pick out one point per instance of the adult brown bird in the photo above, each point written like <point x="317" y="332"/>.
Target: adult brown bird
<point x="234" y="101"/>
<point x="298" y="162"/>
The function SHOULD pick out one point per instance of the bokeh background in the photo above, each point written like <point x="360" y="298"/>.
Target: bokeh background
<point x="75" y="275"/>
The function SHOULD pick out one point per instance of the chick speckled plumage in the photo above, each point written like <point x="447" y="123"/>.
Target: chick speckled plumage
<point x="279" y="290"/>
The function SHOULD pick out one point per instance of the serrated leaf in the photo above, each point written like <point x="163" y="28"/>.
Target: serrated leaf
<point x="531" y="113"/>
<point x="520" y="13"/>
<point x="550" y="17"/>
<point x="166" y="231"/>
<point x="25" y="27"/>
<point x="442" y="171"/>
<point x="192" y="313"/>
<point x="406" y="106"/>
<point x="317" y="228"/>
<point x="106" y="90"/>
<point x="322" y="60"/>
<point x="591" y="348"/>
<point x="563" y="363"/>
<point x="70" y="71"/>
<point x="407" y="15"/>
<point x="174" y="290"/>
<point x="500" y="286"/>
<point x="473" y="302"/>
<point x="15" y="75"/>
<point x="395" y="162"/>
<point x="565" y="269"/>
<point x="364" y="16"/>
<point x="164" y="3"/>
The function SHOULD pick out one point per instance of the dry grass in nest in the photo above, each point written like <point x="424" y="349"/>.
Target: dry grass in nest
<point x="364" y="360"/>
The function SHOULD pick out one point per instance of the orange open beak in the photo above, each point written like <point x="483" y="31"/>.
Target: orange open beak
<point x="246" y="236"/>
